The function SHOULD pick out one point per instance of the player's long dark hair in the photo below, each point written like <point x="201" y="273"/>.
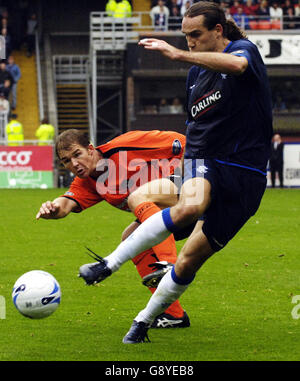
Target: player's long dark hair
<point x="214" y="15"/>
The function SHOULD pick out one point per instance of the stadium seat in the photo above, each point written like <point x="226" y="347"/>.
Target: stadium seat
<point x="253" y="24"/>
<point x="276" y="24"/>
<point x="264" y="24"/>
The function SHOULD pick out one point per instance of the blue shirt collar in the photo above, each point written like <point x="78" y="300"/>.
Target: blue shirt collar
<point x="227" y="47"/>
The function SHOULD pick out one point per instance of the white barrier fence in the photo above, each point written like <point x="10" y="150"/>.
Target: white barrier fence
<point x="291" y="168"/>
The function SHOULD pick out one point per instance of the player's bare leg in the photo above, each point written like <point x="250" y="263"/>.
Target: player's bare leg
<point x="194" y="200"/>
<point x="162" y="192"/>
<point x="152" y="265"/>
<point x="192" y="256"/>
<point x="97" y="271"/>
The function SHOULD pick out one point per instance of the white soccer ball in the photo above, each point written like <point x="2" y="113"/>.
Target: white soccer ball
<point x="36" y="294"/>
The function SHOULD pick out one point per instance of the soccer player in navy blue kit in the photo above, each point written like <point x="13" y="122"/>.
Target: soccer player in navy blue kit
<point x="229" y="130"/>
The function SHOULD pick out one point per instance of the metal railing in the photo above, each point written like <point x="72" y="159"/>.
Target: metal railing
<point x="252" y="22"/>
<point x="92" y="132"/>
<point x="39" y="76"/>
<point x="265" y="23"/>
<point x="70" y="68"/>
<point x="31" y="142"/>
<point x="107" y="32"/>
<point x="111" y="33"/>
<point x="3" y="123"/>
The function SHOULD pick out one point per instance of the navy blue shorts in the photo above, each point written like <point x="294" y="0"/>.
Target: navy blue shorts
<point x="236" y="194"/>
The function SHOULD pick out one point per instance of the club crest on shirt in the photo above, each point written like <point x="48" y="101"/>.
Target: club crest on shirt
<point x="238" y="52"/>
<point x="176" y="147"/>
<point x="68" y="193"/>
<point x="205" y="103"/>
<point x="202" y="169"/>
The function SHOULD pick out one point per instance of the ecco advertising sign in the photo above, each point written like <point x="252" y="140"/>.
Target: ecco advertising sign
<point x="26" y="167"/>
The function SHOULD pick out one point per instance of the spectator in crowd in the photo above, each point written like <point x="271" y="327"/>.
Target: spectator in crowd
<point x="6" y="88"/>
<point x="235" y="6"/>
<point x="45" y="133"/>
<point x="14" y="132"/>
<point x="175" y="18"/>
<point x="110" y="7"/>
<point x="123" y="9"/>
<point x="8" y="42"/>
<point x="224" y="5"/>
<point x="263" y="11"/>
<point x="6" y="22"/>
<point x="4" y="104"/>
<point x="226" y="8"/>
<point x="173" y="3"/>
<point x="30" y="34"/>
<point x="250" y="8"/>
<point x="164" y="107"/>
<point x="289" y="19"/>
<point x="4" y="73"/>
<point x="176" y="106"/>
<point x="286" y="4"/>
<point x="276" y="160"/>
<point x="15" y="72"/>
<point x="159" y="15"/>
<point x="227" y="14"/>
<point x="276" y="11"/>
<point x="297" y="14"/>
<point x="241" y="19"/>
<point x="297" y="9"/>
<point x="185" y="6"/>
<point x="5" y="15"/>
<point x="279" y="104"/>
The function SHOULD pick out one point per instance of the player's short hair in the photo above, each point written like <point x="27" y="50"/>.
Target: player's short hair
<point x="213" y="15"/>
<point x="66" y="139"/>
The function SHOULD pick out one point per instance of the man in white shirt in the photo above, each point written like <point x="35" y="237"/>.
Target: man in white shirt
<point x="159" y="15"/>
<point x="276" y="12"/>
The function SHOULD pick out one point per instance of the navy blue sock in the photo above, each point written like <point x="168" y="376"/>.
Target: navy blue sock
<point x="181" y="281"/>
<point x="168" y="221"/>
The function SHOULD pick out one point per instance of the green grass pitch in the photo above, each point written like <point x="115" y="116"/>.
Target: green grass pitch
<point x="240" y="304"/>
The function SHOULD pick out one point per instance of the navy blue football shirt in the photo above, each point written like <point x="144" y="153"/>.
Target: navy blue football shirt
<point x="230" y="116"/>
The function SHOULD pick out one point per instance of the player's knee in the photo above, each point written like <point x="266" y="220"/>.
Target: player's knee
<point x="124" y="235"/>
<point x="127" y="231"/>
<point x="187" y="213"/>
<point x="185" y="268"/>
<point x="135" y="199"/>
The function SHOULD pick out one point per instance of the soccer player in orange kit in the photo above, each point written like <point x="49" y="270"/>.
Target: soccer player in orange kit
<point x="110" y="172"/>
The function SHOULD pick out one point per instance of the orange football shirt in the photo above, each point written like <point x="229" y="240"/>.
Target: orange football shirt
<point x="129" y="160"/>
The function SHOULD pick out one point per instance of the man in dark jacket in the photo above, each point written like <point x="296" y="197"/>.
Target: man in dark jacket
<point x="276" y="160"/>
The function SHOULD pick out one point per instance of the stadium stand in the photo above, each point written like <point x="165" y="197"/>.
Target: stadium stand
<point x="27" y="94"/>
<point x="107" y="86"/>
<point x="72" y="107"/>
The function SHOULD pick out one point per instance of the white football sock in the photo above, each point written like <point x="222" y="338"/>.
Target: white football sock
<point x="166" y="293"/>
<point x="148" y="234"/>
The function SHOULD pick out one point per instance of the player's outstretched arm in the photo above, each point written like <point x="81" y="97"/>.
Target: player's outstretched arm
<point x="58" y="208"/>
<point x="215" y="61"/>
<point x="166" y="49"/>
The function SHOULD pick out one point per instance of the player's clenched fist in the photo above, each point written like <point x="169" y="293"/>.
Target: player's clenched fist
<point x="49" y="209"/>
